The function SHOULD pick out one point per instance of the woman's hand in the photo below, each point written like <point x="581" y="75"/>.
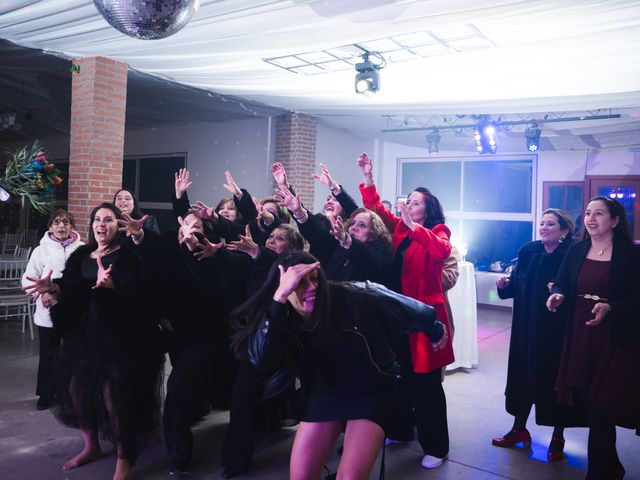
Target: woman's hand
<point x="502" y="282"/>
<point x="131" y="226"/>
<point x="366" y="167"/>
<point x="600" y="310"/>
<point x="264" y="216"/>
<point x="206" y="249"/>
<point x="104" y="275"/>
<point x="440" y="344"/>
<point x="182" y="183"/>
<point x="325" y="179"/>
<point x="291" y="277"/>
<point x="279" y="175"/>
<point x="339" y="232"/>
<point x="40" y="286"/>
<point x="554" y="301"/>
<point x="245" y="244"/>
<point x="403" y="208"/>
<point x="48" y="300"/>
<point x="231" y="185"/>
<point x="292" y="202"/>
<point x="203" y="211"/>
<point x="186" y="234"/>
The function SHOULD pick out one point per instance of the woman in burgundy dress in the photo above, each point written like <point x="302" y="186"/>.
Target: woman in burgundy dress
<point x="599" y="281"/>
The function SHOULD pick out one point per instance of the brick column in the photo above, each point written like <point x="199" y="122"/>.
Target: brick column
<point x="296" y="150"/>
<point x="98" y="103"/>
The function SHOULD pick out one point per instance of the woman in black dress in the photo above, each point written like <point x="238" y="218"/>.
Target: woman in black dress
<point x="537" y="337"/>
<point x="111" y="360"/>
<point x="127" y="203"/>
<point x="336" y="338"/>
<point x="598" y="284"/>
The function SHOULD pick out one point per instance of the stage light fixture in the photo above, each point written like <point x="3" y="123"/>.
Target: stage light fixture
<point x="368" y="76"/>
<point x="433" y="140"/>
<point x="532" y="137"/>
<point x="485" y="136"/>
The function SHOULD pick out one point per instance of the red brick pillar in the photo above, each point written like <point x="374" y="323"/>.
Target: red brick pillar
<point x="296" y="150"/>
<point x="98" y="102"/>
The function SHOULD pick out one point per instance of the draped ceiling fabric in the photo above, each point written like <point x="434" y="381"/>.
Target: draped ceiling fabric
<point x="543" y="55"/>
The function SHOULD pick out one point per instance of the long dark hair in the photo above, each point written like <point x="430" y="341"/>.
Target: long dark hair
<point x="433" y="214"/>
<point x="246" y="317"/>
<point x="621" y="231"/>
<point x="135" y="213"/>
<point x="118" y="214"/>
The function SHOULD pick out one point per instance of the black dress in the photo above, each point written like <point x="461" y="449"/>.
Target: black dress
<point x="111" y="347"/>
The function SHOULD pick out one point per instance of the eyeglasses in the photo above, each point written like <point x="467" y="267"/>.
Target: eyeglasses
<point x="64" y="222"/>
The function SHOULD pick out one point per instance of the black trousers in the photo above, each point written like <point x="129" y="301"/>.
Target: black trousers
<point x="49" y="348"/>
<point x="188" y="399"/>
<point x="421" y="402"/>
<point x="602" y="455"/>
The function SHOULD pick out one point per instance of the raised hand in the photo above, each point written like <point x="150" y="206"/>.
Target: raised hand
<point x="554" y="301"/>
<point x="245" y="244"/>
<point x="366" y="167"/>
<point x="186" y="234"/>
<point x="292" y="202"/>
<point x="325" y="179"/>
<point x="182" y="183"/>
<point x="600" y="310"/>
<point x="206" y="249"/>
<point x="131" y="226"/>
<point x="279" y="175"/>
<point x="403" y="208"/>
<point x="48" y="300"/>
<point x="231" y="185"/>
<point x="104" y="275"/>
<point x="291" y="277"/>
<point x="39" y="286"/>
<point x="339" y="232"/>
<point x="203" y="211"/>
<point x="265" y="215"/>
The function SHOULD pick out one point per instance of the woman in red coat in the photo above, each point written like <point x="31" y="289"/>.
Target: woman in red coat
<point x="420" y="247"/>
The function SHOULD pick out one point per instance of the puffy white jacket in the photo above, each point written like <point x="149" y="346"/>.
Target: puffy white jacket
<point x="49" y="255"/>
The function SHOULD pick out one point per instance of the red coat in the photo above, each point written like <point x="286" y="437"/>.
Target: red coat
<point x="421" y="276"/>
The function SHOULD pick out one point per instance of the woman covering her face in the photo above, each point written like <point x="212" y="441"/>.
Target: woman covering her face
<point x="336" y="338"/>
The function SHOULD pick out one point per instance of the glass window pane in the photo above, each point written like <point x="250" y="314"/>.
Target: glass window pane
<point x="157" y="178"/>
<point x="574" y="199"/>
<point x="498" y="186"/>
<point x="626" y="196"/>
<point x="166" y="219"/>
<point x="129" y="174"/>
<point x="495" y="240"/>
<point x="441" y="178"/>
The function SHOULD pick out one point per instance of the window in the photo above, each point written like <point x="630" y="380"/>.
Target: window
<point x="488" y="203"/>
<point x="151" y="179"/>
<point x="567" y="196"/>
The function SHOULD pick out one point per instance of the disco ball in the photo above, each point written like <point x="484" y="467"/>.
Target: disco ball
<point x="147" y="19"/>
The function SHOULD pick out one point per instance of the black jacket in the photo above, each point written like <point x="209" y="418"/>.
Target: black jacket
<point x="370" y="311"/>
<point x="624" y="287"/>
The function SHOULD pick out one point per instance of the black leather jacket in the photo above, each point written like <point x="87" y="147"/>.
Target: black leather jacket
<point x="371" y="311"/>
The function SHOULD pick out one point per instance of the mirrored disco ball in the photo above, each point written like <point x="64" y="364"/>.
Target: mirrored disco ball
<point x="147" y="19"/>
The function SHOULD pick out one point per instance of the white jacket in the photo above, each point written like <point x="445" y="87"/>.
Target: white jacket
<point x="49" y="255"/>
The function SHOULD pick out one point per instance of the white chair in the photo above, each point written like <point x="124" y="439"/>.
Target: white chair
<point x="10" y="242"/>
<point x="22" y="253"/>
<point x="11" y="294"/>
<point x="30" y="238"/>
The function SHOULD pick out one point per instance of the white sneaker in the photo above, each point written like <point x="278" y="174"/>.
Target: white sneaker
<point x="429" y="461"/>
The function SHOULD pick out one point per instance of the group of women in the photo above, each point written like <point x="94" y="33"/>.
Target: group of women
<point x="354" y="334"/>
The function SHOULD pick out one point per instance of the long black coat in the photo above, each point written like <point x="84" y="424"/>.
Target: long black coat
<point x="536" y="338"/>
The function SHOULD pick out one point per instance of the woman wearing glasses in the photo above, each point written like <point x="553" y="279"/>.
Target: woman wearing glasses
<point x="58" y="242"/>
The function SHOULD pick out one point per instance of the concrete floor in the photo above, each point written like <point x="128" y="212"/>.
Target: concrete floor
<point x="33" y="445"/>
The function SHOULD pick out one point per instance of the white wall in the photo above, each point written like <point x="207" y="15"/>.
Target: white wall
<point x="339" y="151"/>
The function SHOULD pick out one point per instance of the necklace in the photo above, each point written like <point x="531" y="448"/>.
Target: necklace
<point x="101" y="252"/>
<point x="602" y="250"/>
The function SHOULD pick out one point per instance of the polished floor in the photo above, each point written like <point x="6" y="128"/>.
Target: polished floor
<point x="33" y="445"/>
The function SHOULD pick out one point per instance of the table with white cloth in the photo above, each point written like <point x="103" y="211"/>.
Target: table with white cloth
<point x="462" y="298"/>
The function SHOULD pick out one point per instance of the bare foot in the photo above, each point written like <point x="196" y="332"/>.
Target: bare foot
<point x="87" y="455"/>
<point x="123" y="469"/>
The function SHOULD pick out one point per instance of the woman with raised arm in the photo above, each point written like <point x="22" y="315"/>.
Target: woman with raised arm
<point x="109" y="370"/>
<point x="420" y="246"/>
<point x="57" y="244"/>
<point x="336" y="338"/>
<point x="127" y="203"/>
<point x="537" y="337"/>
<point x="598" y="285"/>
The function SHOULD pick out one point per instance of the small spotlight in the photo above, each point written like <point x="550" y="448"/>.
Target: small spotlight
<point x="485" y="137"/>
<point x="532" y="137"/>
<point x="433" y="140"/>
<point x="368" y="77"/>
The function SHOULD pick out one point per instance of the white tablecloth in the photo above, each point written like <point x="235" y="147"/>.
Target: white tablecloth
<point x="462" y="298"/>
